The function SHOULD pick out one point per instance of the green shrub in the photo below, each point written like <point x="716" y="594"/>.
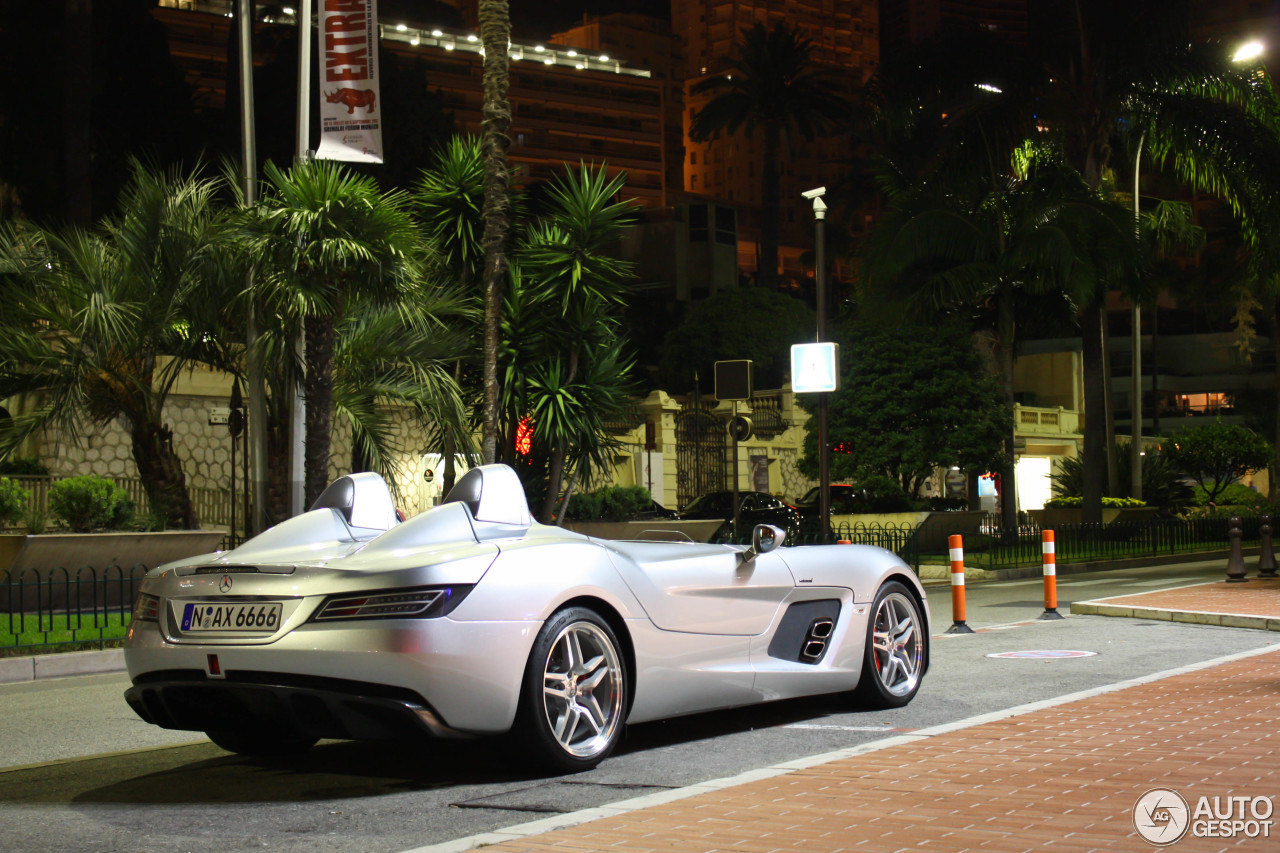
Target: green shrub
<point x="1236" y="494"/>
<point x="36" y="521"/>
<point x="91" y="503"/>
<point x="1162" y="483"/>
<point x="1072" y="501"/>
<point x="611" y="503"/>
<point x="27" y="466"/>
<point x="885" y="494"/>
<point x="13" y="501"/>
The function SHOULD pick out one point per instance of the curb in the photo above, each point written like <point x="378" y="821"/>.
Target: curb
<point x="63" y="665"/>
<point x="1195" y="617"/>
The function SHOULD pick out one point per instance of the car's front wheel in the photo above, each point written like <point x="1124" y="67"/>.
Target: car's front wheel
<point x="249" y="743"/>
<point x="575" y="692"/>
<point x="894" y="657"/>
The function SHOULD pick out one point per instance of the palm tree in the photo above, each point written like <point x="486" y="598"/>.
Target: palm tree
<point x="1108" y="73"/>
<point x="772" y="85"/>
<point x="495" y="117"/>
<point x="329" y="240"/>
<point x="1126" y="69"/>
<point x="570" y="373"/>
<point x="101" y="324"/>
<point x="449" y="203"/>
<point x="1037" y="233"/>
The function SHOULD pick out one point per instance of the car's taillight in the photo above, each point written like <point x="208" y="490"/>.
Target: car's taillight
<point x="146" y="608"/>
<point x="398" y="604"/>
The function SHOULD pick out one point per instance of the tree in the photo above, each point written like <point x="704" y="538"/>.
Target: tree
<point x="564" y="361"/>
<point x="772" y="84"/>
<point x="102" y="324"/>
<point x="495" y="119"/>
<point x="752" y="323"/>
<point x="983" y="244"/>
<point x="1099" y="78"/>
<point x="329" y="240"/>
<point x="915" y="398"/>
<point x="1216" y="455"/>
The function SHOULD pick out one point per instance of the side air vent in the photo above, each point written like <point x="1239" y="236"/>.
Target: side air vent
<point x="805" y="631"/>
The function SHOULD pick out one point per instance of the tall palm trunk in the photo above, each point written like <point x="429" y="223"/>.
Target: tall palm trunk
<point x="1095" y="434"/>
<point x="162" y="475"/>
<point x="1005" y="342"/>
<point x="495" y="113"/>
<point x="770" y="192"/>
<point x="318" y="388"/>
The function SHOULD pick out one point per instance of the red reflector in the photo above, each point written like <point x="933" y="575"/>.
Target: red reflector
<point x="214" y="667"/>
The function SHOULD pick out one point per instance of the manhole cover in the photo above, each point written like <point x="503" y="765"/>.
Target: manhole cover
<point x="1043" y="654"/>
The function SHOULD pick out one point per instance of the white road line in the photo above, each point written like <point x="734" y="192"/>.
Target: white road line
<point x="563" y="821"/>
<point x="1164" y="581"/>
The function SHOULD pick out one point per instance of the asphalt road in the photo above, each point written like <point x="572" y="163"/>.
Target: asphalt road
<point x="82" y="775"/>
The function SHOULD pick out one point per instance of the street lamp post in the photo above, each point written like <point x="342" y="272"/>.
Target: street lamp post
<point x="820" y="296"/>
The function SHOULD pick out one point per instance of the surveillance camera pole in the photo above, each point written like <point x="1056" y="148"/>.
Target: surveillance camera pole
<point x="820" y="295"/>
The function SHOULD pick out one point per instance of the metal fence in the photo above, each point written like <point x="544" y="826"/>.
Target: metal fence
<point x="60" y="607"/>
<point x="212" y="506"/>
<point x="1084" y="543"/>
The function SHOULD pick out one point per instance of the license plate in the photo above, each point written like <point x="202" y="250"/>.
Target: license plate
<point x="258" y="616"/>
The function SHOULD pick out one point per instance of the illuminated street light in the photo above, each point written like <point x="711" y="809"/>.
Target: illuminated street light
<point x="1248" y="51"/>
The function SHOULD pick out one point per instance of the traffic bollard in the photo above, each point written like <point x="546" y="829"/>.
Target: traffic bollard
<point x="956" y="544"/>
<point x="1235" y="562"/>
<point x="1267" y="559"/>
<point x="1050" y="559"/>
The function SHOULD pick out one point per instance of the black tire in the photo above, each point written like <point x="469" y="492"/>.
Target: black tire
<point x="893" y="660"/>
<point x="261" y="745"/>
<point x="574" y="696"/>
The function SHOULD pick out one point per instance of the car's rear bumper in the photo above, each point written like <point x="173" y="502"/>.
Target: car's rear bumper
<point x="282" y="705"/>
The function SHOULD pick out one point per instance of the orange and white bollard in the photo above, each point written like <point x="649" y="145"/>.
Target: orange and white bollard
<point x="956" y="546"/>
<point x="1050" y="576"/>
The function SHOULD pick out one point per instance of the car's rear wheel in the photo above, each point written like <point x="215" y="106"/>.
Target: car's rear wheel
<point x="253" y="743"/>
<point x="894" y="657"/>
<point x="574" y="693"/>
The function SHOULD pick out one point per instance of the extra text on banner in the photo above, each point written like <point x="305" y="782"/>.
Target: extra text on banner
<point x="350" y="111"/>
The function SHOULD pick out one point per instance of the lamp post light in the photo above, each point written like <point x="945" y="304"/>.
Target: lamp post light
<point x="820" y="297"/>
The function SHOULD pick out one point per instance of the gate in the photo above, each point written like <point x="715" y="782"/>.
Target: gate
<point x="700" y="454"/>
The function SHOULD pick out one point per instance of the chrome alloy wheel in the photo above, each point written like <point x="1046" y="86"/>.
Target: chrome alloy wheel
<point x="582" y="689"/>
<point x="896" y="644"/>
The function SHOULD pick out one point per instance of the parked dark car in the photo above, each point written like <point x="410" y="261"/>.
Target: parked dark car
<point x="753" y="508"/>
<point x="845" y="498"/>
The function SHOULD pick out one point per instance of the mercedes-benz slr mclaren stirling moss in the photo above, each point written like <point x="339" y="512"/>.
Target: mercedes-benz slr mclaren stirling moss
<point x="471" y="619"/>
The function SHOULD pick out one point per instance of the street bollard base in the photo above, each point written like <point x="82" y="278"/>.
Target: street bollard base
<point x="1051" y="614"/>
<point x="959" y="628"/>
<point x="1236" y="580"/>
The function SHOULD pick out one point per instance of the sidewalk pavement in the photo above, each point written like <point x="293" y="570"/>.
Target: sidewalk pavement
<point x="1064" y="775"/>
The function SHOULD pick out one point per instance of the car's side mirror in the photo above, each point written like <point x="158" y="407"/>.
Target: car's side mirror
<point x="764" y="538"/>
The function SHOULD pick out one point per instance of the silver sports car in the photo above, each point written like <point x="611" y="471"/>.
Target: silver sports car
<point x="471" y="619"/>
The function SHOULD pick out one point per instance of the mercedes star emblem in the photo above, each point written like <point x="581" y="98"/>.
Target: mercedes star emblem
<point x="224" y="585"/>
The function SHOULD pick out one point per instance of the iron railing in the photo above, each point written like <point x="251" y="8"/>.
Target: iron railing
<point x="212" y="506"/>
<point x="1091" y="542"/>
<point x="59" y="607"/>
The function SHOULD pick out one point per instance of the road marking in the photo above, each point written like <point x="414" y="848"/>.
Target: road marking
<point x="1163" y="581"/>
<point x="563" y="821"/>
<point x="72" y="760"/>
<point x="881" y="729"/>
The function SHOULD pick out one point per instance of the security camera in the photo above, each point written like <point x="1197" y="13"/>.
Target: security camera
<point x="818" y="193"/>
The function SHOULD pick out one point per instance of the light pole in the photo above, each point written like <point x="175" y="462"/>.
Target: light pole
<point x="820" y="297"/>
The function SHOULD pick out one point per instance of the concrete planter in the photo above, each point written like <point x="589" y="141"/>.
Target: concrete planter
<point x="99" y="567"/>
<point x="698" y="531"/>
<point x="934" y="527"/>
<point x="1050" y="517"/>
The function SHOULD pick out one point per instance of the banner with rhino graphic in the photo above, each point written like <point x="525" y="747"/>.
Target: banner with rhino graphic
<point x="350" y="112"/>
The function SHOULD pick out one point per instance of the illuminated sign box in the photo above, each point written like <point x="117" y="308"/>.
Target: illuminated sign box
<point x="815" y="368"/>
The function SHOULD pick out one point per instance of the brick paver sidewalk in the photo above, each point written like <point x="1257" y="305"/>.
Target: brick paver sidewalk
<point x="1252" y="604"/>
<point x="1064" y="778"/>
